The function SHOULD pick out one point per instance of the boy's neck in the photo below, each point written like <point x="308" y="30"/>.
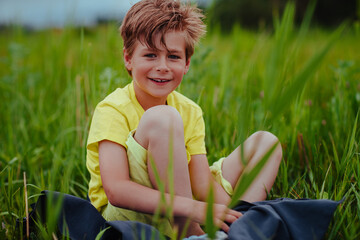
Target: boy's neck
<point x="148" y="101"/>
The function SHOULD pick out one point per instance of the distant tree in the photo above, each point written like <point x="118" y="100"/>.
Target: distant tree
<point x="331" y="12"/>
<point x="259" y="13"/>
<point x="250" y="13"/>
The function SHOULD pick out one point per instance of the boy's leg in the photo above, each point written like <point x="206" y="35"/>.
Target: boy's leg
<point x="255" y="147"/>
<point x="158" y="127"/>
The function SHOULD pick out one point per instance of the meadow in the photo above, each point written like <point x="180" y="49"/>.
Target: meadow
<point x="300" y="83"/>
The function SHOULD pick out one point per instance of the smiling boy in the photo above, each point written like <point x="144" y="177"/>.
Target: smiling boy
<point x="142" y="121"/>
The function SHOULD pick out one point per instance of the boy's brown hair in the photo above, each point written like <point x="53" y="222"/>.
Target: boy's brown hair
<point x="149" y="17"/>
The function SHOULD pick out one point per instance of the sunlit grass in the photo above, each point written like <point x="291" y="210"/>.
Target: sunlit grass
<point x="293" y="85"/>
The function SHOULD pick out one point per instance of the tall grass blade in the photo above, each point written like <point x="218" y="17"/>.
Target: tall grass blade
<point x="282" y="34"/>
<point x="305" y="24"/>
<point x="350" y="143"/>
<point x="170" y="177"/>
<point x="101" y="233"/>
<point x="289" y="94"/>
<point x="210" y="227"/>
<point x="161" y="187"/>
<point x="323" y="194"/>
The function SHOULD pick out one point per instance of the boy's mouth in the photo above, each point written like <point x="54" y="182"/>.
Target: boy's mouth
<point x="159" y="80"/>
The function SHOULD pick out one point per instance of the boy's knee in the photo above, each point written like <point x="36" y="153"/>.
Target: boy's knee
<point x="265" y="136"/>
<point x="162" y="119"/>
<point x="268" y="139"/>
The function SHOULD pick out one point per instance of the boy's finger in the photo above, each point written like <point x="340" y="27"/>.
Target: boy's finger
<point x="230" y="218"/>
<point x="235" y="213"/>
<point x="222" y="225"/>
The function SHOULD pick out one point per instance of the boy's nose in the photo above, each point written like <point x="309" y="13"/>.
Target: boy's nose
<point x="162" y="66"/>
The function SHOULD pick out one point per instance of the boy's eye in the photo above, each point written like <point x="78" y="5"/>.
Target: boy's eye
<point x="172" y="56"/>
<point x="150" y="55"/>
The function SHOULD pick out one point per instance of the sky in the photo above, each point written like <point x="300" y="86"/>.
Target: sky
<point x="57" y="13"/>
<point x="39" y="14"/>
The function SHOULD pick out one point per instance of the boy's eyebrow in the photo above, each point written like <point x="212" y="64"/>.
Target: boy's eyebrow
<point x="147" y="49"/>
<point x="174" y="51"/>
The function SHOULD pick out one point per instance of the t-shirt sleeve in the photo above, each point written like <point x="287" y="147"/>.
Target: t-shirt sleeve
<point x="196" y="143"/>
<point x="108" y="123"/>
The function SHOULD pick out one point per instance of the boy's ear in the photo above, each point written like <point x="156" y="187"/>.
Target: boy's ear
<point x="187" y="65"/>
<point x="127" y="60"/>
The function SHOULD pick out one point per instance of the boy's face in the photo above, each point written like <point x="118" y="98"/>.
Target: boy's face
<point x="156" y="73"/>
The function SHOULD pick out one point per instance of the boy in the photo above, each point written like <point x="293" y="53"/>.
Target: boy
<point x="142" y="121"/>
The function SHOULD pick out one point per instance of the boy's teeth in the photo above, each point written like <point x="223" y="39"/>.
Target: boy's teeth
<point x="158" y="80"/>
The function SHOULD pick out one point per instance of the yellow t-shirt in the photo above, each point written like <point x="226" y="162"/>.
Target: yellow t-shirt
<point x="118" y="114"/>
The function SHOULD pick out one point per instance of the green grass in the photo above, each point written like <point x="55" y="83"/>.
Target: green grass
<point x="304" y="86"/>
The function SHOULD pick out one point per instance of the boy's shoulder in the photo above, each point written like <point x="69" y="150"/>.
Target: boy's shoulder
<point x="180" y="100"/>
<point x="119" y="97"/>
<point x="121" y="101"/>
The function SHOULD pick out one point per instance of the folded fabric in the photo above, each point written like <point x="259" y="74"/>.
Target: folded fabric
<point x="79" y="219"/>
<point x="274" y="219"/>
<point x="283" y="219"/>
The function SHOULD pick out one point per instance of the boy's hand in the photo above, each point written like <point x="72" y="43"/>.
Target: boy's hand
<point x="222" y="215"/>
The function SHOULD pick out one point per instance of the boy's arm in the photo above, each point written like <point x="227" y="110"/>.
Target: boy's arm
<point x="201" y="180"/>
<point x="122" y="192"/>
<point x="119" y="189"/>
